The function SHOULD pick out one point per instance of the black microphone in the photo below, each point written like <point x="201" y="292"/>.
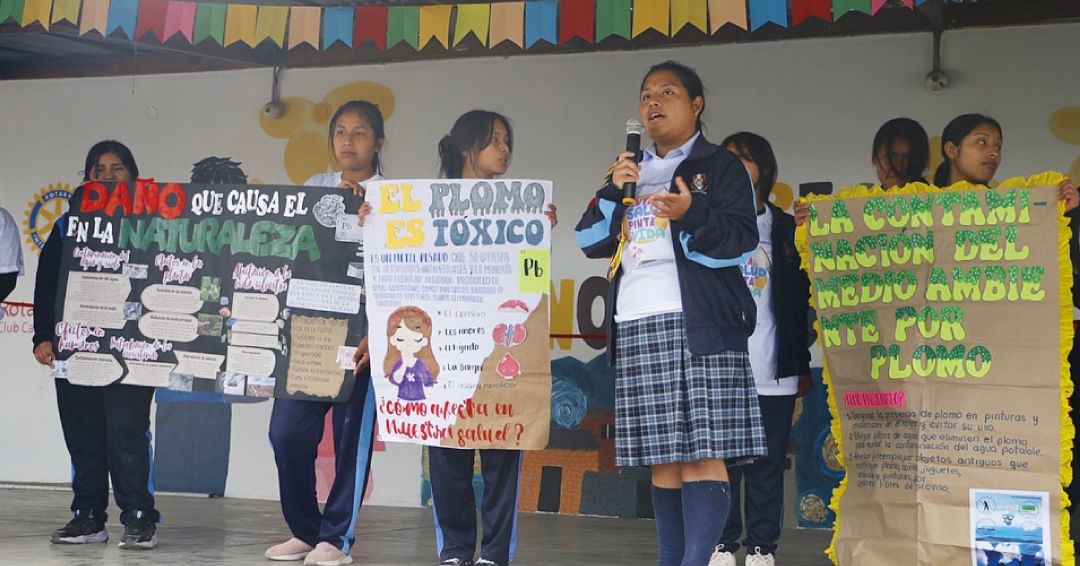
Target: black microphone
<point x="634" y="129"/>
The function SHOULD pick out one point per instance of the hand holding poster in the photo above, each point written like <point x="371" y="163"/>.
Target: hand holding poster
<point x="945" y="319"/>
<point x="241" y="289"/>
<point x="458" y="281"/>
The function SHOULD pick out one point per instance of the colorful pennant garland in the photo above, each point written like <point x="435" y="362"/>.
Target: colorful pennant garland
<point x="180" y="19"/>
<point x="540" y="21"/>
<point x="523" y="24"/>
<point x="507" y="23"/>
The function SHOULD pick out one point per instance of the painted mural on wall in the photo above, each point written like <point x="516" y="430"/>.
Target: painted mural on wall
<point x="817" y="467"/>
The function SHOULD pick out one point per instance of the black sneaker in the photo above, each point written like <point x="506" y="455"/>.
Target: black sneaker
<point x="486" y="562"/>
<point x="140" y="533"/>
<point x="455" y="562"/>
<point x="84" y="527"/>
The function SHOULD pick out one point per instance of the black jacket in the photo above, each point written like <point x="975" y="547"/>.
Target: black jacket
<point x="46" y="282"/>
<point x="717" y="234"/>
<point x="7" y="284"/>
<point x="789" y="288"/>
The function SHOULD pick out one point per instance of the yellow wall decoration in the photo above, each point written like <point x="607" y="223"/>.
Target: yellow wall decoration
<point x="782" y="195"/>
<point x="1065" y="125"/>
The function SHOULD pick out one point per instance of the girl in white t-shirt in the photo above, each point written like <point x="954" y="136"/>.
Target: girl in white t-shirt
<point x="779" y="357"/>
<point x="296" y="427"/>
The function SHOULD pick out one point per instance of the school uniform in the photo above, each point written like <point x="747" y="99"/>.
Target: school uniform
<point x="680" y="310"/>
<point x="453" y="503"/>
<point x="106" y="429"/>
<point x="679" y="317"/>
<point x="778" y="355"/>
<point x="296" y="428"/>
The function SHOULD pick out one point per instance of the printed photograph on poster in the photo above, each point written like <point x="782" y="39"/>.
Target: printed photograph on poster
<point x="231" y="384"/>
<point x="345" y="357"/>
<point x="204" y="268"/>
<point x="210" y="289"/>
<point x="135" y="271"/>
<point x="210" y="324"/>
<point x="181" y="381"/>
<point x="457" y="277"/>
<point x="262" y="387"/>
<point x="1010" y="527"/>
<point x="132" y="311"/>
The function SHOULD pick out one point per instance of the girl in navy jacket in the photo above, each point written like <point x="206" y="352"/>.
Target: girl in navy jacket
<point x="680" y="313"/>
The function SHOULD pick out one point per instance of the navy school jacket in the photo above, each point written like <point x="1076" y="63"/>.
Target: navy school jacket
<point x="46" y="283"/>
<point x="718" y="233"/>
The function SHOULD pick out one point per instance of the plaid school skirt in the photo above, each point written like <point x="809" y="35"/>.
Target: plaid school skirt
<point x="672" y="406"/>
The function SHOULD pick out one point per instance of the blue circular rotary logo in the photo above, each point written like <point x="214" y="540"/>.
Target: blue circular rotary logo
<point x="47" y="206"/>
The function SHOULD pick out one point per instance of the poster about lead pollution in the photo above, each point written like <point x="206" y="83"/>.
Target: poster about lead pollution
<point x="243" y="290"/>
<point x="458" y="282"/>
<point x="945" y="317"/>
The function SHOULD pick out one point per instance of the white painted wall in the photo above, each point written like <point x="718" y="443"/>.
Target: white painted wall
<point x="818" y="101"/>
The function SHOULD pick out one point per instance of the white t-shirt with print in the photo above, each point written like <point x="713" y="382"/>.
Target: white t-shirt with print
<point x="650" y="280"/>
<point x="333" y="179"/>
<point x="757" y="272"/>
<point x="11" y="259"/>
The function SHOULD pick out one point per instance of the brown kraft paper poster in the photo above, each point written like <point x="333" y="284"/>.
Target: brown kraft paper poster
<point x="943" y="348"/>
<point x="528" y="396"/>
<point x="313" y="347"/>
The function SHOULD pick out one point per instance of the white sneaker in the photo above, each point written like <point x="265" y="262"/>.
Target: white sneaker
<point x="291" y="550"/>
<point x="758" y="559"/>
<point x="722" y="558"/>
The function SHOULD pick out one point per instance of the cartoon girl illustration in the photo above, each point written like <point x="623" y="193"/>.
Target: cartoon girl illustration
<point x="410" y="364"/>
